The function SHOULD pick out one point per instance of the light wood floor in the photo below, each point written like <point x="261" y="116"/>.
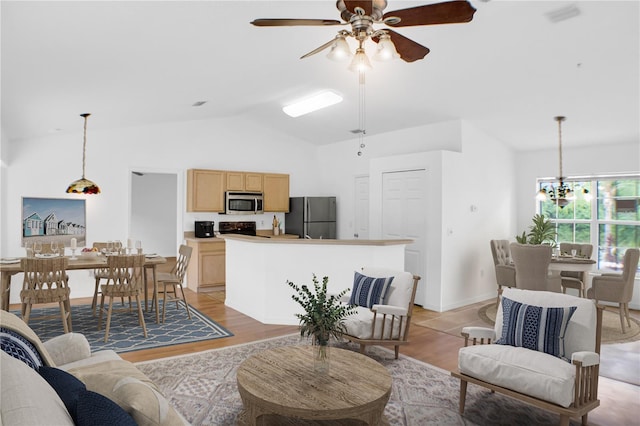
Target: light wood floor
<point x="620" y="402"/>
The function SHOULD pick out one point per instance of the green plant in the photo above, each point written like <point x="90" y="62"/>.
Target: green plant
<point x="543" y="231"/>
<point x="324" y="314"/>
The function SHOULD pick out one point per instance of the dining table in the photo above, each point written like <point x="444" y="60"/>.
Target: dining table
<point x="12" y="266"/>
<point x="572" y="263"/>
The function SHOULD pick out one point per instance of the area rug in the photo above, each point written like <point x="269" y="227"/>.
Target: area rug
<point x="202" y="387"/>
<point x="611" y="330"/>
<point x="125" y="334"/>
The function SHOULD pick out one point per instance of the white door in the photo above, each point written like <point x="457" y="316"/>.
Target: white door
<point x="403" y="216"/>
<point x="361" y="220"/>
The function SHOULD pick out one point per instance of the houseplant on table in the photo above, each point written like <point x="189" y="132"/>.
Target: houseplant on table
<point x="543" y="231"/>
<point x="323" y="317"/>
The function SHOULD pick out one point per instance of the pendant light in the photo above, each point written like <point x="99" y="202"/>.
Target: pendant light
<point x="82" y="185"/>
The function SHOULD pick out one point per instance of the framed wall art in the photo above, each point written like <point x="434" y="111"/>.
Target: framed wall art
<point x="53" y="219"/>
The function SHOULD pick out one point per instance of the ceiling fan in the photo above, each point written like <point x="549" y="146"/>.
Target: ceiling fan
<point x="363" y="14"/>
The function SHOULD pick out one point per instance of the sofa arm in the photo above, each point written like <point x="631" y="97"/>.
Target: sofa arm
<point x="389" y="310"/>
<point x="68" y="348"/>
<point x="585" y="358"/>
<point x="475" y="333"/>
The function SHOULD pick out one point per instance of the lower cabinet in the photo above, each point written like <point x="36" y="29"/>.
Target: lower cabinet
<point x="206" y="271"/>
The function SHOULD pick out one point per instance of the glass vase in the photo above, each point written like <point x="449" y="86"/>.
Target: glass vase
<point x="321" y="354"/>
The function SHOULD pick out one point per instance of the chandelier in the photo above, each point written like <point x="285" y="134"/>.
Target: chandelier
<point x="82" y="185"/>
<point x="560" y="194"/>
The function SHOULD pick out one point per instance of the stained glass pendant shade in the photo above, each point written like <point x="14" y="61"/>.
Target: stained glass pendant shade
<point x="83" y="185"/>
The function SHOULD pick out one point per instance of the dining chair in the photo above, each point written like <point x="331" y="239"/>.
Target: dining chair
<point x="573" y="279"/>
<point x="532" y="267"/>
<point x="126" y="279"/>
<point x="172" y="281"/>
<point x="503" y="263"/>
<point x="100" y="274"/>
<point x="46" y="281"/>
<point x="617" y="288"/>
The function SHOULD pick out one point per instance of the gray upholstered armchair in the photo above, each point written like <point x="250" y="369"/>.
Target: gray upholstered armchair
<point x="617" y="288"/>
<point x="505" y="271"/>
<point x="532" y="267"/>
<point x="574" y="279"/>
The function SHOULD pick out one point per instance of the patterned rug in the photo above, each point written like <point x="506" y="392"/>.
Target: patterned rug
<point x="125" y="334"/>
<point x="202" y="387"/>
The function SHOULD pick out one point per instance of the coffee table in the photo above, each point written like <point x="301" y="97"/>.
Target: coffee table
<point x="281" y="381"/>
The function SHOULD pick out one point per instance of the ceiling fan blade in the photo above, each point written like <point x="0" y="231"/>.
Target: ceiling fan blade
<point x="450" y="12"/>
<point x="318" y="49"/>
<point x="408" y="49"/>
<point x="268" y="22"/>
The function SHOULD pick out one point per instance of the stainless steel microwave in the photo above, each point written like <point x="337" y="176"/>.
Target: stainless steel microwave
<point x="243" y="202"/>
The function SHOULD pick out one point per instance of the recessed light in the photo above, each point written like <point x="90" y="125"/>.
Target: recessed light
<point x="312" y="103"/>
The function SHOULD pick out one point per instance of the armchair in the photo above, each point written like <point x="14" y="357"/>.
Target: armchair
<point x="537" y="370"/>
<point x="617" y="288"/>
<point x="505" y="271"/>
<point x="385" y="323"/>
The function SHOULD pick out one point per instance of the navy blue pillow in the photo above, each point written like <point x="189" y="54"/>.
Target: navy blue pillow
<point x="20" y="348"/>
<point x="368" y="291"/>
<point x="98" y="410"/>
<point x="66" y="385"/>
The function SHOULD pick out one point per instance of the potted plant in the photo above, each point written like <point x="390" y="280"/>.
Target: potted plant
<point x="323" y="317"/>
<point x="543" y="231"/>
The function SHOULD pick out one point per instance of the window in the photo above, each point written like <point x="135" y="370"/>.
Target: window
<point x="609" y="219"/>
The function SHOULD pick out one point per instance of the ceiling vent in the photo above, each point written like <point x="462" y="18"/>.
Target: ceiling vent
<point x="563" y="13"/>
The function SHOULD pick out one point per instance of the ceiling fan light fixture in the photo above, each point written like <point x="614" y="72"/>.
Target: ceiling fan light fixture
<point x="312" y="103"/>
<point x="340" y="50"/>
<point x="386" y="49"/>
<point x="360" y="62"/>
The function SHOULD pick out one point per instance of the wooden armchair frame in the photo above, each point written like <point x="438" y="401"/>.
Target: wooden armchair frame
<point x="402" y="315"/>
<point x="586" y="380"/>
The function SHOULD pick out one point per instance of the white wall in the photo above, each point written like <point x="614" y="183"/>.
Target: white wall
<point x="465" y="168"/>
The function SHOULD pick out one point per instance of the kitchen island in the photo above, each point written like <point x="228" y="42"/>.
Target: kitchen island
<point x="257" y="270"/>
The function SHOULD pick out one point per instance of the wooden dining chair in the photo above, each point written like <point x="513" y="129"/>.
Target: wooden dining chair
<point x="46" y="281"/>
<point x="100" y="274"/>
<point x="126" y="279"/>
<point x="172" y="281"/>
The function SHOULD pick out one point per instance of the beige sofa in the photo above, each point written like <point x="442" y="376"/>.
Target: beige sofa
<point x="28" y="399"/>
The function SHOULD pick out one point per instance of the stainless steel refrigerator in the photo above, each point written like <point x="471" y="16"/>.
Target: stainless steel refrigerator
<point x="311" y="217"/>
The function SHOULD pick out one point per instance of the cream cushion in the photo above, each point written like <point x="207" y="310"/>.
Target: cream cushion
<point x="359" y="324"/>
<point x="531" y="372"/>
<point x="26" y="398"/>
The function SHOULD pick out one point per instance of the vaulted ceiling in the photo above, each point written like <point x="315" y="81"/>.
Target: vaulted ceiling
<point x="508" y="72"/>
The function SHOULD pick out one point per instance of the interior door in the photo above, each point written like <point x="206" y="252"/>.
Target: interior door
<point x="403" y="205"/>
<point x="361" y="216"/>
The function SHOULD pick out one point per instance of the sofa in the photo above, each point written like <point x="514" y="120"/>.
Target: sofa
<point x="61" y="382"/>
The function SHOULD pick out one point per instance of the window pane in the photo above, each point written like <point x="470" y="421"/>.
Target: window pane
<point x="565" y="233"/>
<point x="583" y="233"/>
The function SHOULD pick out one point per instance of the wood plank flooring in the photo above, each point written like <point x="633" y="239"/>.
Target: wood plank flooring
<point x="620" y="402"/>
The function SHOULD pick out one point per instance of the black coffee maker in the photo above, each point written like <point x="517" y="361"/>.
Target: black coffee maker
<point x="204" y="229"/>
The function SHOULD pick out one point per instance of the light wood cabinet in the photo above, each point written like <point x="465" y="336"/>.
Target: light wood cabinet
<point x="276" y="192"/>
<point x="244" y="181"/>
<point x="206" y="270"/>
<point x="205" y="190"/>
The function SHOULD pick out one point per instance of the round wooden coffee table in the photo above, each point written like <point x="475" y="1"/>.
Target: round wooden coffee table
<point x="281" y="381"/>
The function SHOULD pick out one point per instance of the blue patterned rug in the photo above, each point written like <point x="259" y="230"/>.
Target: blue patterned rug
<point x="125" y="335"/>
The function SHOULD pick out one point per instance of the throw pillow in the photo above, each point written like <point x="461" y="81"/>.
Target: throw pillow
<point x="368" y="291"/>
<point x="97" y="410"/>
<point x="18" y="347"/>
<point x="66" y="386"/>
<point x="535" y="327"/>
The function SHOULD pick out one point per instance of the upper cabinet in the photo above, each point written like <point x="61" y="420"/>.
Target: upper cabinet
<point x="276" y="192"/>
<point x="205" y="190"/>
<point x="243" y="181"/>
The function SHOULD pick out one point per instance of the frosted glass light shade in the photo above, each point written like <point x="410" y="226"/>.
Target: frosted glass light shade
<point x="313" y="103"/>
<point x="386" y="49"/>
<point x="360" y="62"/>
<point x="340" y="51"/>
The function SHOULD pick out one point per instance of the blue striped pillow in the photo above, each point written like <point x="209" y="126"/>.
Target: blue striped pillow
<point x="535" y="327"/>
<point x="368" y="291"/>
<point x="16" y="345"/>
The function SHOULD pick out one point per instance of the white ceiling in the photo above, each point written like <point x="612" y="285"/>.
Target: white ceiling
<point x="509" y="71"/>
